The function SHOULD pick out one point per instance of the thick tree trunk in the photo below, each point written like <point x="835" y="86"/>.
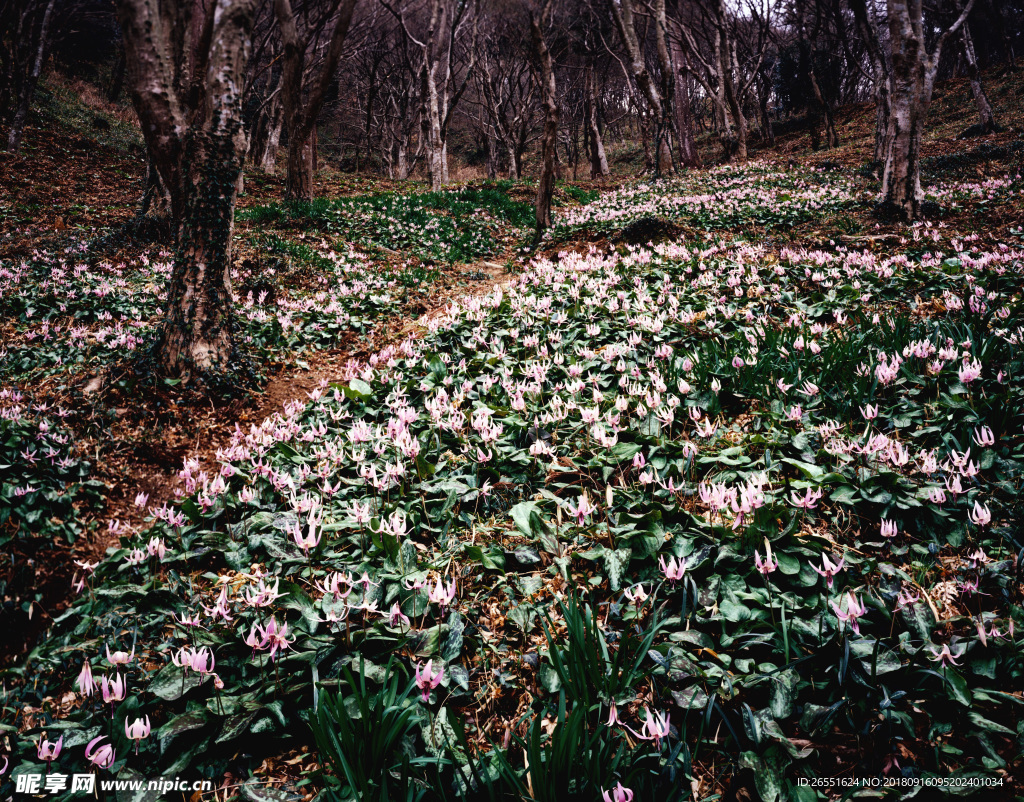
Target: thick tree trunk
<point x="196" y="332"/>
<point x="901" y="177"/>
<point x="197" y="142"/>
<point x="299" y="183"/>
<point x="986" y="119"/>
<point x="912" y="79"/>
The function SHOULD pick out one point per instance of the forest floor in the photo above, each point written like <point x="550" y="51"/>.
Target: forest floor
<point x="79" y="177"/>
<point x="405" y="253"/>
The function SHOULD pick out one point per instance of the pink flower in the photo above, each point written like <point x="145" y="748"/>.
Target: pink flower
<point x="869" y="412"/>
<point x="945" y="656"/>
<point x="636" y="594"/>
<point x="426" y="680"/>
<point x="49" y="750"/>
<point x="275" y="637"/>
<point x="769" y="563"/>
<point x="656" y="727"/>
<point x="86" y="684"/>
<point x="583" y="508"/>
<point x="112" y="690"/>
<point x="808" y="502"/>
<point x="137" y="731"/>
<point x="103" y="757"/>
<point x="396" y="616"/>
<point x="829" y="569"/>
<point x="980" y="515"/>
<point x="985" y="437"/>
<point x="673" y="569"/>
<point x="854" y="611"/>
<point x="617" y="794"/>
<point x="969" y="371"/>
<point x="441" y="595"/>
<point x="889" y="528"/>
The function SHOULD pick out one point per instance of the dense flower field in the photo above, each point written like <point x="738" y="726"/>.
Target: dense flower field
<point x="642" y="523"/>
<point x="755" y="194"/>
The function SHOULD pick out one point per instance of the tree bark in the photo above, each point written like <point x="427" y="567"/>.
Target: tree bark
<point x="986" y="119"/>
<point x="302" y="99"/>
<point x="28" y="84"/>
<point x="187" y="78"/>
<point x="912" y="80"/>
<point x="549" y="138"/>
<point x="688" y="156"/>
<point x="598" y="158"/>
<point x="622" y="13"/>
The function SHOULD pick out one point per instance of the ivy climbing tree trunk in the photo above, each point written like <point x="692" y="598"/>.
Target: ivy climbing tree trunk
<point x="186" y="67"/>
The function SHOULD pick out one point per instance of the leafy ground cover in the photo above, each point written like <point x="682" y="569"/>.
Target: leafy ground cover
<point x="713" y="516"/>
<point x="704" y="515"/>
<point x="457" y="225"/>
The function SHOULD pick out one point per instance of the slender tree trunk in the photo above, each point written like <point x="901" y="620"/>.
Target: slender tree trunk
<point x="688" y="156"/>
<point x="299" y="182"/>
<point x="302" y="105"/>
<point x="598" y="158"/>
<point x="549" y="138"/>
<point x="986" y="119"/>
<point x="156" y="199"/>
<point x="117" y="78"/>
<point x="28" y="86"/>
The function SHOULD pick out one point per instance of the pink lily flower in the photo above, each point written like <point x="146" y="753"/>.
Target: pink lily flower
<point x="86" y="683"/>
<point x="426" y="679"/>
<point x="673" y="569"/>
<point x="617" y="794"/>
<point x="854" y="611"/>
<point x="769" y="563"/>
<point x="829" y="569"/>
<point x="137" y="731"/>
<point x="103" y="757"/>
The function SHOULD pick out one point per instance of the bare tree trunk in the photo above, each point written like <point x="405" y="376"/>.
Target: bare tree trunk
<point x="735" y="104"/>
<point x="684" y="119"/>
<point x="622" y="13"/>
<point x="831" y="136"/>
<point x="598" y="158"/>
<point x="549" y="138"/>
<point x="266" y="137"/>
<point x="117" y="78"/>
<point x="302" y="105"/>
<point x="28" y="85"/>
<point x="986" y="119"/>
<point x="911" y="83"/>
